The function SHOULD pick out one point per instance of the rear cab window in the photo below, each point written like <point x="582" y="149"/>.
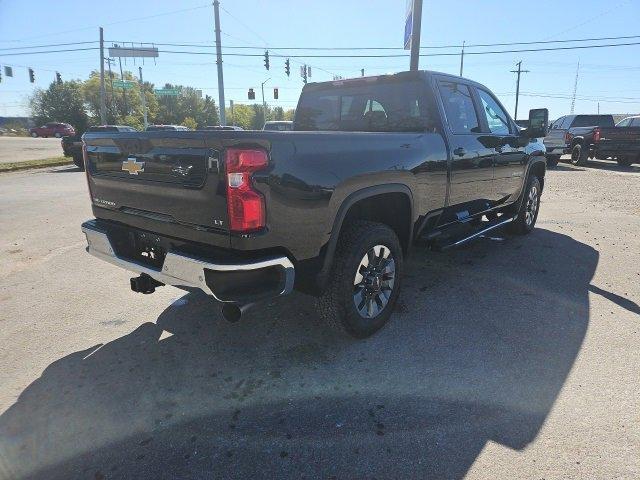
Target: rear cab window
<point x="373" y="105"/>
<point x="593" y="120"/>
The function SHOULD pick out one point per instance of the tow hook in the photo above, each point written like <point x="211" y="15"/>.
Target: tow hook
<point x="144" y="284"/>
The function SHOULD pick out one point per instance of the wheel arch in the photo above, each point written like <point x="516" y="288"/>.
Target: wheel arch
<point x="360" y="205"/>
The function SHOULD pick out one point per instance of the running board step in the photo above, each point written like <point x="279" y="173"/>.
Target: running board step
<point x="483" y="229"/>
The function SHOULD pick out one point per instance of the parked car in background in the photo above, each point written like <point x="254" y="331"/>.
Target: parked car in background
<point x="375" y="164"/>
<point x="72" y="145"/>
<point x="157" y="128"/>
<point x="52" y="129"/>
<point x="222" y="127"/>
<point x="593" y="136"/>
<point x="280" y="125"/>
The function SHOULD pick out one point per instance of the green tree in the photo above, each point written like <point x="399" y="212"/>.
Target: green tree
<point x="117" y="113"/>
<point x="62" y="102"/>
<point x="190" y="122"/>
<point x="175" y="109"/>
<point x="277" y="113"/>
<point x="289" y="114"/>
<point x="242" y="116"/>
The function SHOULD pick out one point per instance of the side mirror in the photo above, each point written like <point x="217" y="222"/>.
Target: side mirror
<point x="538" y="123"/>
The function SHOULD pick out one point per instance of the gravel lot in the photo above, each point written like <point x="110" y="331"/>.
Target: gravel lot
<point x="513" y="359"/>
<point x="22" y="149"/>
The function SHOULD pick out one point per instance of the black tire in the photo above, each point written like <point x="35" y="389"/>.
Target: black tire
<point x="579" y="155"/>
<point x="34" y="135"/>
<point x="78" y="161"/>
<point x="337" y="304"/>
<point x="625" y="162"/>
<point x="529" y="208"/>
<point x="552" y="160"/>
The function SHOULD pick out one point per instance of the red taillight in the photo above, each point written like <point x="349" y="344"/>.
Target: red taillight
<point x="567" y="137"/>
<point x="596" y="135"/>
<point x="245" y="205"/>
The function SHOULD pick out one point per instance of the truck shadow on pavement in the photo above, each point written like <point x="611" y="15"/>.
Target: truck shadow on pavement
<point x="480" y="346"/>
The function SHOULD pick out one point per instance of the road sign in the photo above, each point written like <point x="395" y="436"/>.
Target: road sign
<point x="126" y="84"/>
<point x="167" y="92"/>
<point x="408" y="25"/>
<point x="133" y="52"/>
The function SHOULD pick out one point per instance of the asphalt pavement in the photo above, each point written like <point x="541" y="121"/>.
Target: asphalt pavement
<point x="506" y="359"/>
<point x="22" y="149"/>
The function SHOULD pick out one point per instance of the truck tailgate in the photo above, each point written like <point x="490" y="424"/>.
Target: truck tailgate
<point x="622" y="136"/>
<point x="169" y="179"/>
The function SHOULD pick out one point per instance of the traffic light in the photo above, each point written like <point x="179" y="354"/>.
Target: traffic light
<point x="275" y="93"/>
<point x="252" y="94"/>
<point x="303" y="73"/>
<point x="266" y="59"/>
<point x="287" y="68"/>
<point x="32" y="77"/>
<point x="58" y="78"/>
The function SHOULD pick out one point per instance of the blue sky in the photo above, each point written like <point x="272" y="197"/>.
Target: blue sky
<point x="610" y="75"/>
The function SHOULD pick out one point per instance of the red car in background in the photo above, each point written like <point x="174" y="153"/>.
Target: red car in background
<point x="52" y="129"/>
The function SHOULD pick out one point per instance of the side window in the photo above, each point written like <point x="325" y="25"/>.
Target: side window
<point x="635" y="122"/>
<point x="556" y="125"/>
<point x="566" y="123"/>
<point x="458" y="107"/>
<point x="624" y="123"/>
<point x="497" y="118"/>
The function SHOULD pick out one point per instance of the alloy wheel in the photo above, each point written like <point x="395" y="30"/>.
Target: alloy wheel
<point x="373" y="282"/>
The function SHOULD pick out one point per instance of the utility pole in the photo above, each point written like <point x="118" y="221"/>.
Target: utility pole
<point x="103" y="105"/>
<point x="462" y="59"/>
<point x="144" y="100"/>
<point x="415" y="34"/>
<point x="124" y="90"/>
<point x="264" y="105"/>
<point x="362" y="72"/>
<point x="519" y="71"/>
<point x="221" y="103"/>
<point x="598" y="108"/>
<point x="575" y="89"/>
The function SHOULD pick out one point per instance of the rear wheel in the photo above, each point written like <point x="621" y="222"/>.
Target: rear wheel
<point x="552" y="160"/>
<point x="528" y="212"/>
<point x="34" y="134"/>
<point x="579" y="155"/>
<point x="365" y="279"/>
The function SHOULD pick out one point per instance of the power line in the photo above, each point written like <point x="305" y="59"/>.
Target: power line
<point x="49" y="51"/>
<point x="454" y="54"/>
<point x="49" y="45"/>
<point x="503" y="44"/>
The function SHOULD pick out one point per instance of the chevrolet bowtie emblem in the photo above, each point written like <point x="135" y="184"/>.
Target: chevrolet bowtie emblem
<point x="132" y="166"/>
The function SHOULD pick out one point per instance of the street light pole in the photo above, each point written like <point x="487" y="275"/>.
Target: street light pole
<point x="264" y="105"/>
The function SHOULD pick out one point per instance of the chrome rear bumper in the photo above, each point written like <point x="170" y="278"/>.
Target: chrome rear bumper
<point x="183" y="271"/>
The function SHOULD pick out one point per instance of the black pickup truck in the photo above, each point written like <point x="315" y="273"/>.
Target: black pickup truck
<point x="593" y="136"/>
<point x="72" y="145"/>
<point x="372" y="166"/>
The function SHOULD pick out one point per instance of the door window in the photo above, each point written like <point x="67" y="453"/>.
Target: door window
<point x="497" y="118"/>
<point x="635" y="122"/>
<point x="458" y="107"/>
